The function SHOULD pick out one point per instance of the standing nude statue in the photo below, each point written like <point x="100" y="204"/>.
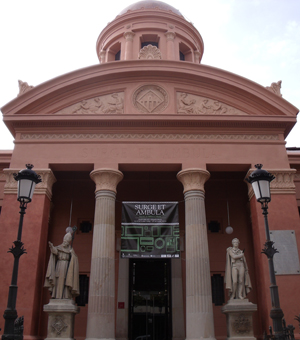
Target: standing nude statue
<point x="237" y="278"/>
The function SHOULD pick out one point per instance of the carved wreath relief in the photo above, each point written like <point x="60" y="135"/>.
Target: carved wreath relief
<point x="109" y="104"/>
<point x="192" y="104"/>
<point x="150" y="99"/>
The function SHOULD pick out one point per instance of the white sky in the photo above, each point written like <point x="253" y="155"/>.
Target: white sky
<point x="42" y="39"/>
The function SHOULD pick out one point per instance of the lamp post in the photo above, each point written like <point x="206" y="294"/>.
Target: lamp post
<point x="260" y="180"/>
<point x="27" y="179"/>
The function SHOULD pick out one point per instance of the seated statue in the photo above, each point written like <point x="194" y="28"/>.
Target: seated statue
<point x="237" y="278"/>
<point x="62" y="277"/>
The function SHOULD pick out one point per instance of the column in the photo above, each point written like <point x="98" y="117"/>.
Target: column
<point x="170" y="45"/>
<point x="101" y="307"/>
<point x="128" y="44"/>
<point x="199" y="311"/>
<point x="34" y="237"/>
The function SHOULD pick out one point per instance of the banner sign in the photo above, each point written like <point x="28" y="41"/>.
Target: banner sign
<point x="150" y="230"/>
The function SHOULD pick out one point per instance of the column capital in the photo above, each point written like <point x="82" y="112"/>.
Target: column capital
<point x="106" y="179"/>
<point x="129" y="35"/>
<point x="283" y="184"/>
<point x="170" y="35"/>
<point x="43" y="188"/>
<point x="193" y="179"/>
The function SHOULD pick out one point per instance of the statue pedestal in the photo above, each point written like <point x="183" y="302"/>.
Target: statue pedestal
<point x="239" y="319"/>
<point x="61" y="315"/>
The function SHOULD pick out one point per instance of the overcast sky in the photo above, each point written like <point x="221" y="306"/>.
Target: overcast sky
<point x="42" y="39"/>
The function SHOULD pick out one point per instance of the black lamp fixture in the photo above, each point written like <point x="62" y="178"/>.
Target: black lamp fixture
<point x="27" y="180"/>
<point x="260" y="180"/>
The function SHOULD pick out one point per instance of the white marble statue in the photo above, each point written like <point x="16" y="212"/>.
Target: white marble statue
<point x="237" y="278"/>
<point x="62" y="277"/>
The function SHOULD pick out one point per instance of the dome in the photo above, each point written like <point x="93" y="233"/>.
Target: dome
<point x="150" y="4"/>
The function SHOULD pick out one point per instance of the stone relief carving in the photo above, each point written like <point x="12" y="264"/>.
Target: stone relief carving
<point x="275" y="88"/>
<point x="150" y="52"/>
<point x="58" y="325"/>
<point x="242" y="325"/>
<point x="148" y="136"/>
<point x="150" y="99"/>
<point x="109" y="104"/>
<point x="23" y="87"/>
<point x="192" y="104"/>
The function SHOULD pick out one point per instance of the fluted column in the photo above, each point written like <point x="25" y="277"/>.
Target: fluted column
<point x="128" y="44"/>
<point x="199" y="312"/>
<point x="170" y="45"/>
<point x="101" y="307"/>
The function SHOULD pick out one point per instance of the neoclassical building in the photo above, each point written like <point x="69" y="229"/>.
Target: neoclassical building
<point x="150" y="123"/>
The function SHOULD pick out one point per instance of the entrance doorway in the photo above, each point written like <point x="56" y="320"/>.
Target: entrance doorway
<point x="150" y="300"/>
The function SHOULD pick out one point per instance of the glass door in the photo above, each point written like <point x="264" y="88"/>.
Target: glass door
<point x="150" y="317"/>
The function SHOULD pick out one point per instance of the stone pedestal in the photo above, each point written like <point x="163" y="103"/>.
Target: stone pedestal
<point x="61" y="314"/>
<point x="239" y="319"/>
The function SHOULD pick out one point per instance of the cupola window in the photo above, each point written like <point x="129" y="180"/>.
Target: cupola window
<point x="118" y="55"/>
<point x="185" y="52"/>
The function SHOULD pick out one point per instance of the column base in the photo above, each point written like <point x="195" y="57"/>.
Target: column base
<point x="61" y="315"/>
<point x="239" y="319"/>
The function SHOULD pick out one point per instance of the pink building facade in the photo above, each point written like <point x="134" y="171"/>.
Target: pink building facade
<point x="150" y="123"/>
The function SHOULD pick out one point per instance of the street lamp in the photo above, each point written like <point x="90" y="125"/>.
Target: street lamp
<point x="260" y="180"/>
<point x="27" y="180"/>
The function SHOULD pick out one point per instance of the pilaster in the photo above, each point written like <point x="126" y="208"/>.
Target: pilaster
<point x="101" y="308"/>
<point x="197" y="57"/>
<point x="129" y="35"/>
<point x="199" y="311"/>
<point x="170" y="45"/>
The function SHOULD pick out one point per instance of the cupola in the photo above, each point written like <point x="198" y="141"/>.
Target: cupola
<point x="150" y="29"/>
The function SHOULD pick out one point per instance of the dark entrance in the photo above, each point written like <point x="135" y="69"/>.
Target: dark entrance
<point x="150" y="300"/>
